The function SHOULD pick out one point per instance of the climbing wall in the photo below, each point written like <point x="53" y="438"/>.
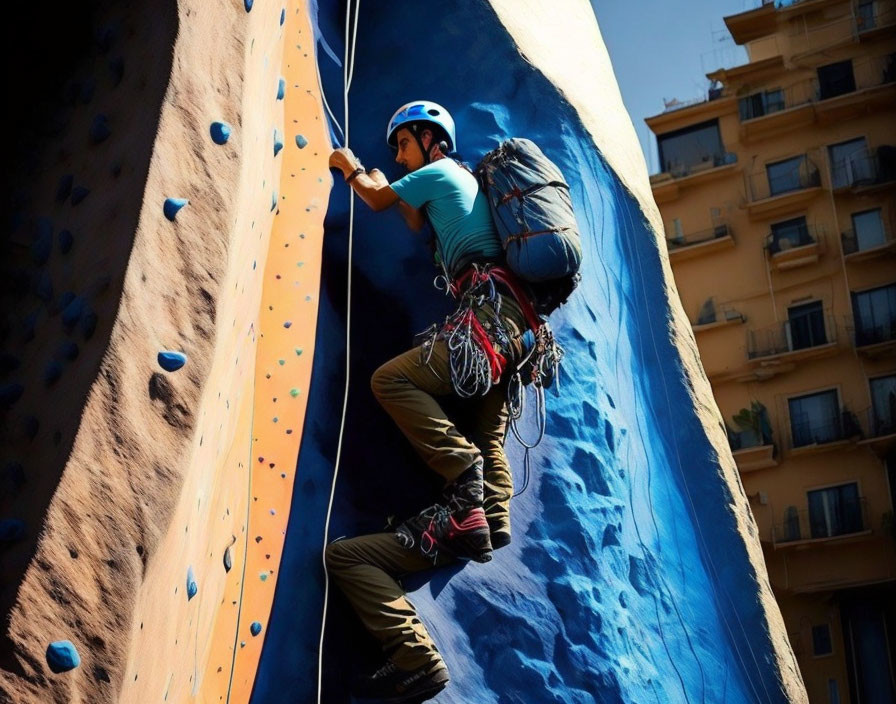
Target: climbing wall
<point x="155" y="573"/>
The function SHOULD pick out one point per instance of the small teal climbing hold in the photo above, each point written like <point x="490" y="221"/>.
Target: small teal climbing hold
<point x="281" y="362"/>
<point x="293" y="392"/>
<point x="298" y="351"/>
<point x="172" y="361"/>
<point x="62" y="656"/>
<point x="192" y="587"/>
<point x="263" y="576"/>
<point x="255" y="628"/>
<point x="301" y="142"/>
<point x="64" y="189"/>
<point x="172" y="206"/>
<point x="278" y="141"/>
<point x="52" y="372"/>
<point x="79" y="193"/>
<point x="220" y="132"/>
<point x="99" y="129"/>
<point x="242" y="644"/>
<point x="287" y="325"/>
<point x="11" y="529"/>
<point x="66" y="240"/>
<point x="281" y="88"/>
<point x="248" y="4"/>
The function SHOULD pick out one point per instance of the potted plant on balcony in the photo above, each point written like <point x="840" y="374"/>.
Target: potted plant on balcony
<point x="755" y="428"/>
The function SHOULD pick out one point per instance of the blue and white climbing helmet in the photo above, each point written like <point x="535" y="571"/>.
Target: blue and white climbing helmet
<point x="421" y="111"/>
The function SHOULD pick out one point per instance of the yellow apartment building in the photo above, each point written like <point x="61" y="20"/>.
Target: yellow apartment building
<point x="778" y="194"/>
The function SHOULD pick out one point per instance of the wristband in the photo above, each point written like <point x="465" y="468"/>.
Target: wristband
<point x="354" y="174"/>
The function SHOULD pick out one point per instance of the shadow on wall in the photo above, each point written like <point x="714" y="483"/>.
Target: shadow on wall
<point x="87" y="82"/>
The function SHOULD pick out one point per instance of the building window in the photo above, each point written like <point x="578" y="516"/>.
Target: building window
<point x="805" y="325"/>
<point x="815" y="418"/>
<point x="865" y="15"/>
<point x="868" y="227"/>
<point x="788" y="175"/>
<point x="883" y="405"/>
<point x="688" y="147"/>
<point x="851" y="163"/>
<point x="834" y="511"/>
<point x="788" y="234"/>
<point x="762" y="103"/>
<point x="835" y="79"/>
<point x="821" y="640"/>
<point x="874" y="313"/>
<point x="833" y="692"/>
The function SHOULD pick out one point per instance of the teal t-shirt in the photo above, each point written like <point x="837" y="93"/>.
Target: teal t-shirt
<point x="457" y="209"/>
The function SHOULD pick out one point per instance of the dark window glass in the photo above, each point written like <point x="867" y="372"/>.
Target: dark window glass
<point x="815" y="418"/>
<point x="883" y="405"/>
<point x="874" y="313"/>
<point x="690" y="146"/>
<point x="821" y="640"/>
<point x="835" y="79"/>
<point x="789" y="233"/>
<point x="865" y="15"/>
<point x="806" y="323"/>
<point x="835" y="511"/>
<point x="851" y="163"/>
<point x="869" y="229"/>
<point x="787" y="175"/>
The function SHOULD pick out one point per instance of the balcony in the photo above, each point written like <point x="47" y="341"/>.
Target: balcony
<point x="667" y="185"/>
<point x="865" y="171"/>
<point x="813" y="436"/>
<point x="800" y="338"/>
<point x="879" y="430"/>
<point x="854" y="250"/>
<point x="872" y="84"/>
<point x="875" y="340"/>
<point x="794" y="247"/>
<point x="752" y="453"/>
<point x="778" y="191"/>
<point x="700" y="243"/>
<point x="801" y="528"/>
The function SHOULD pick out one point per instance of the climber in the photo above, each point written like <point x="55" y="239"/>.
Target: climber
<point x="473" y="518"/>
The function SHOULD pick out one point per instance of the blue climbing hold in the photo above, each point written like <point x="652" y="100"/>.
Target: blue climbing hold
<point x="10" y="393"/>
<point x="62" y="656"/>
<point x="69" y="350"/>
<point x="281" y="88"/>
<point x="172" y="361"/>
<point x="65" y="187"/>
<point x="66" y="240"/>
<point x="220" y="132"/>
<point x="72" y="312"/>
<point x="192" y="587"/>
<point x="79" y="193"/>
<point x="172" y="206"/>
<point x="88" y="322"/>
<point x="282" y="16"/>
<point x="11" y="529"/>
<point x="278" y="141"/>
<point x="255" y="628"/>
<point x="52" y="372"/>
<point x="99" y="129"/>
<point x="273" y="200"/>
<point x="228" y="560"/>
<point x="301" y="142"/>
<point x="248" y="4"/>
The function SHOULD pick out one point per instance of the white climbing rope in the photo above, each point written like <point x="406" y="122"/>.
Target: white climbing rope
<point x="348" y="68"/>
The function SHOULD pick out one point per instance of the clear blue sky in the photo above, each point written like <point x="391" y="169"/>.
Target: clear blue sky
<point x="663" y="49"/>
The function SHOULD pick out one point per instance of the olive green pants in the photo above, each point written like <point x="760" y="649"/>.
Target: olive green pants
<point x="367" y="568"/>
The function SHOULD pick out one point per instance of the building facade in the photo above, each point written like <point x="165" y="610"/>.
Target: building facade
<point x="778" y="194"/>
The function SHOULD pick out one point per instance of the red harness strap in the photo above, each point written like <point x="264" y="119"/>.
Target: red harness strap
<point x="504" y="276"/>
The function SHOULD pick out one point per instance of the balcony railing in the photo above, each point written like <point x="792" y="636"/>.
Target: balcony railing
<point x="710" y="161"/>
<point x="865" y="168"/>
<point x="803" y="175"/>
<point x="877" y="423"/>
<point x="791" y="237"/>
<point x="799" y="333"/>
<point x="851" y="244"/>
<point x="874" y="334"/>
<point x="694" y="238"/>
<point x="813" y="432"/>
<point x="844" y="518"/>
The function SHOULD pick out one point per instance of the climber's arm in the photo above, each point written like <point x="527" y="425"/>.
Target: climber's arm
<point x="372" y="187"/>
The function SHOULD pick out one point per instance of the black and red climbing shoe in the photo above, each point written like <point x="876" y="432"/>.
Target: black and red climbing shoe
<point x="436" y="530"/>
<point x="392" y="685"/>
